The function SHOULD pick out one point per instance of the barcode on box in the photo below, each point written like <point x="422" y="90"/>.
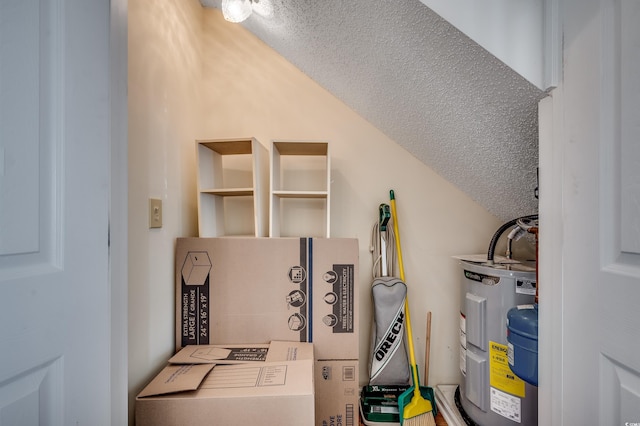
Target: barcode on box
<point x="348" y="374"/>
<point x="350" y="415"/>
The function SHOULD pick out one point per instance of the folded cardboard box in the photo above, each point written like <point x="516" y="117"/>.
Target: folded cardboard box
<point x="256" y="391"/>
<point x="335" y="381"/>
<point x="255" y="290"/>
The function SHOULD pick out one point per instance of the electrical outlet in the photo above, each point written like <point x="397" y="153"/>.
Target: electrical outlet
<point x="155" y="213"/>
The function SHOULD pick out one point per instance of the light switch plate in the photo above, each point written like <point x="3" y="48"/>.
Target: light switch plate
<point x="155" y="213"/>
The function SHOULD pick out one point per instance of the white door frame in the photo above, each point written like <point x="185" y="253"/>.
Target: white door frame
<point x="118" y="215"/>
<point x="550" y="262"/>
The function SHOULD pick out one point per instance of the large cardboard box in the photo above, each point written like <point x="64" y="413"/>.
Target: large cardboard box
<point x="232" y="384"/>
<point x="254" y="290"/>
<point x="239" y="290"/>
<point x="268" y="393"/>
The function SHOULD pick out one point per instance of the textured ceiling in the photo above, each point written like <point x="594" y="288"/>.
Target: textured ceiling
<point x="424" y="84"/>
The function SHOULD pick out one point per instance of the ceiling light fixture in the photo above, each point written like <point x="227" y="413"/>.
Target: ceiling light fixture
<point x="263" y="8"/>
<point x="236" y="10"/>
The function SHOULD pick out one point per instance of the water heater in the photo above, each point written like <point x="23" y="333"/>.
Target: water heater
<point x="490" y="394"/>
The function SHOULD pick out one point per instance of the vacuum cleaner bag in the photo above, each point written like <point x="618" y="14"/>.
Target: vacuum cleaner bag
<point x="388" y="364"/>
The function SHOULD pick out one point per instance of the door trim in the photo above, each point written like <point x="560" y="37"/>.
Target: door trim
<point x="118" y="213"/>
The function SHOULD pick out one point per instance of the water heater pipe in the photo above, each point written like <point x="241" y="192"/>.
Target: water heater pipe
<point x="532" y="229"/>
<point x="500" y="231"/>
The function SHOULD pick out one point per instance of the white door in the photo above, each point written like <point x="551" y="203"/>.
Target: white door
<point x="55" y="147"/>
<point x="590" y="221"/>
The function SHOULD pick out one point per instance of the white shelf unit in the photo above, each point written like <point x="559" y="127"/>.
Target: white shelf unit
<point x="232" y="190"/>
<point x="300" y="185"/>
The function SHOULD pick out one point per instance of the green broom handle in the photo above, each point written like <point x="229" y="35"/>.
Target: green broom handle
<point x="412" y="357"/>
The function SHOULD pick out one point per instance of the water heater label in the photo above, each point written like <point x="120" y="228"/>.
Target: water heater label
<point x="500" y="375"/>
<point x="506" y="405"/>
<point x="481" y="278"/>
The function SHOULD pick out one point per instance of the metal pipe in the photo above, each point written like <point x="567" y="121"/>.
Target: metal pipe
<point x="500" y="231"/>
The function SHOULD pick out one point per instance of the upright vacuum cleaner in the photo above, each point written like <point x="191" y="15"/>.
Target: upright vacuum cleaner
<point x="388" y="363"/>
<point x="389" y="370"/>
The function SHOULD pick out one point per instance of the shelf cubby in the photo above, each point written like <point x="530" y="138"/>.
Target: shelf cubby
<point x="300" y="181"/>
<point x="232" y="191"/>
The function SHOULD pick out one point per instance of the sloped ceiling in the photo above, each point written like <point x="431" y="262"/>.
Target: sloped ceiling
<point x="424" y="84"/>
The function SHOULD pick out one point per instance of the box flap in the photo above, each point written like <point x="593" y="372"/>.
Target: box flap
<point x="240" y="354"/>
<point x="189" y="381"/>
<point x="221" y="354"/>
<point x="177" y="378"/>
<point x="289" y="351"/>
<point x="267" y="379"/>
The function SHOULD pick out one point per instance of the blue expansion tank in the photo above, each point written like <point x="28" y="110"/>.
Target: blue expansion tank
<point x="522" y="338"/>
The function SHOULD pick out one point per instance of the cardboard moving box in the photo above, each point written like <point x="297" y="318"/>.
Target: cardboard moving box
<point x="271" y="393"/>
<point x="255" y="290"/>
<point x="258" y="391"/>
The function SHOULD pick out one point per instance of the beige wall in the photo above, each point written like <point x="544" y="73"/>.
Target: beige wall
<point x="164" y="77"/>
<point x="237" y="87"/>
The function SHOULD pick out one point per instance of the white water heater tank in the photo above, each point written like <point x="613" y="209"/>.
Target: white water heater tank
<point x="490" y="394"/>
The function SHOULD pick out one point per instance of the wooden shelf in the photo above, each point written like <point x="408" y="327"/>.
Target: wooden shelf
<point x="301" y="194"/>
<point x="232" y="190"/>
<point x="229" y="192"/>
<point x="299" y="189"/>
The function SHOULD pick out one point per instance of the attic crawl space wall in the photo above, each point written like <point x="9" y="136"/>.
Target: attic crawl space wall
<point x="193" y="75"/>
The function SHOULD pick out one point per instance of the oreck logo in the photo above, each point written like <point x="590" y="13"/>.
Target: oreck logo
<point x="387" y="346"/>
<point x="389" y="340"/>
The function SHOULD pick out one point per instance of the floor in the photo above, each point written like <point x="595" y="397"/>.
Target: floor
<point x="440" y="421"/>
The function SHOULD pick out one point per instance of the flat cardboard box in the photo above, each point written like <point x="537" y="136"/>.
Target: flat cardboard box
<point x="255" y="290"/>
<point x="269" y="393"/>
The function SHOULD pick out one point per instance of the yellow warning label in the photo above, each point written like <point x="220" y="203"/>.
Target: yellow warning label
<point x="500" y="375"/>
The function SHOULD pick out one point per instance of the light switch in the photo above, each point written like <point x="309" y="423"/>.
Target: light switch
<point x="155" y="213"/>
